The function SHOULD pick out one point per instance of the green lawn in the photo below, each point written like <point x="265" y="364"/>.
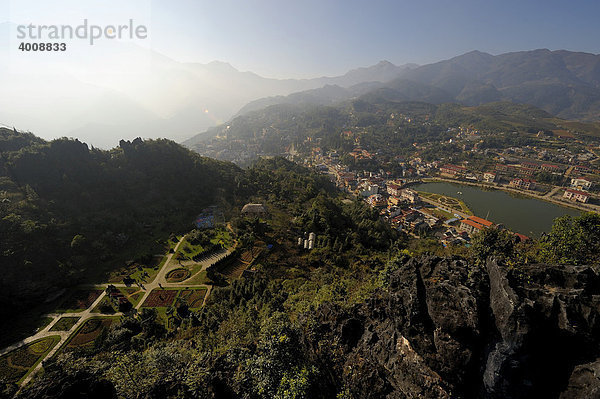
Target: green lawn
<point x="198" y="279"/>
<point x="223" y="236"/>
<point x="65" y="323"/>
<point x="133" y="294"/>
<point x="144" y="273"/>
<point x="105" y="306"/>
<point x="218" y="235"/>
<point x="450" y="202"/>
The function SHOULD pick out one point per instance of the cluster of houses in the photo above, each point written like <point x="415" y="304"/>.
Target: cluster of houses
<point x="401" y="206"/>
<point x="522" y="184"/>
<point x="413" y="220"/>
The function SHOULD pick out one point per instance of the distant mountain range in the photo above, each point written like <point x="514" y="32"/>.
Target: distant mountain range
<point x="143" y="93"/>
<point x="138" y="93"/>
<point x="564" y="83"/>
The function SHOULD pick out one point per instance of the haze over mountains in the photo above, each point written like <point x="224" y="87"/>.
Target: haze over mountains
<point x="138" y="93"/>
<point x="564" y="83"/>
<point x="145" y="94"/>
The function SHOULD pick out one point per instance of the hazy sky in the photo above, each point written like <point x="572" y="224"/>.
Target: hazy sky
<point x="306" y="38"/>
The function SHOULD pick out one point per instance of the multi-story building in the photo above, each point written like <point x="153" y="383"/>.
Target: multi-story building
<point x="452" y="170"/>
<point x="473" y="224"/>
<point x="576" y="195"/>
<point x="581" y="183"/>
<point x="523" y="184"/>
<point x="489" y="177"/>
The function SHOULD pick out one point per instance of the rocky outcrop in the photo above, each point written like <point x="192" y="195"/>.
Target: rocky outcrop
<point x="584" y="382"/>
<point x="444" y="328"/>
<point x="547" y="317"/>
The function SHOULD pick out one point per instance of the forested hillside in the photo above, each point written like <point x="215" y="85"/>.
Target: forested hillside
<point x="70" y="213"/>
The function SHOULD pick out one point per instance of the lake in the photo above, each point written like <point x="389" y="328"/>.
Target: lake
<point x="521" y="214"/>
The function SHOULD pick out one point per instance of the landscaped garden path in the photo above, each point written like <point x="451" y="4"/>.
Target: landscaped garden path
<point x="159" y="283"/>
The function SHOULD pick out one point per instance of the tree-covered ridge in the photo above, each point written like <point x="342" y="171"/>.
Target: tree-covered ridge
<point x="68" y="211"/>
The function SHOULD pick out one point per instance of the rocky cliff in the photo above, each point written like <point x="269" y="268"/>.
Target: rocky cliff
<point x="444" y="328"/>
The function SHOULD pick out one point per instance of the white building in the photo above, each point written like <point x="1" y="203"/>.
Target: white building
<point x="576" y="195"/>
<point x="581" y="183"/>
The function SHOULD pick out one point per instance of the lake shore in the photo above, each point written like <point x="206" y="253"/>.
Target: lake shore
<point x="519" y="213"/>
<point x="530" y="194"/>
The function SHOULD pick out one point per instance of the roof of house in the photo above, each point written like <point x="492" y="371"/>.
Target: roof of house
<point x="529" y="163"/>
<point x="254" y="208"/>
<point x="522" y="237"/>
<point x="472" y="223"/>
<point x="481" y="221"/>
<point x="578" y="192"/>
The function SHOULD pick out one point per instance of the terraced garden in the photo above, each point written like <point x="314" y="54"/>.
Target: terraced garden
<point x="15" y="365"/>
<point x="235" y="268"/>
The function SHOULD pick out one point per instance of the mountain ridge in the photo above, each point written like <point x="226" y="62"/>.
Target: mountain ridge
<point x="564" y="83"/>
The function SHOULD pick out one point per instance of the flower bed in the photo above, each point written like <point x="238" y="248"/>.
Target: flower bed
<point x="89" y="332"/>
<point x="160" y="298"/>
<point x="10" y="373"/>
<point x="80" y="300"/>
<point x="193" y="298"/>
<point x="178" y="275"/>
<point x="23" y="357"/>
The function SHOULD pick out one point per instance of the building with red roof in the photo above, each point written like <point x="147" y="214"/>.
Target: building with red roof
<point x="576" y="195"/>
<point x="473" y="224"/>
